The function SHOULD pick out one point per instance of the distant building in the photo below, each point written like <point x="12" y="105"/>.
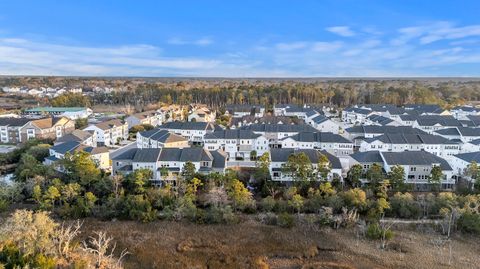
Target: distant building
<point x="238" y="144"/>
<point x="69" y="112"/>
<point x="158" y="138"/>
<point x="100" y="155"/>
<point x="147" y="117"/>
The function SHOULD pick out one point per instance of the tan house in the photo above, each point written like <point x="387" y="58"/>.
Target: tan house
<point x="19" y="130"/>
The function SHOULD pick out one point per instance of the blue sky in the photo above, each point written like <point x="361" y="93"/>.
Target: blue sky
<point x="240" y="38"/>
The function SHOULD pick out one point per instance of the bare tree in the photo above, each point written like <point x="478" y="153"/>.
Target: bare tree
<point x="100" y="246"/>
<point x="64" y="238"/>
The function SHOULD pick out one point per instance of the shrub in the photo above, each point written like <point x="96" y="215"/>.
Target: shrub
<point x="469" y="223"/>
<point x="285" y="220"/>
<point x="268" y="203"/>
<point x="403" y="205"/>
<point x="375" y="232"/>
<point x="3" y="205"/>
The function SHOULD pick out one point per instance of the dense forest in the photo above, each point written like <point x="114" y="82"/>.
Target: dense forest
<point x="219" y="92"/>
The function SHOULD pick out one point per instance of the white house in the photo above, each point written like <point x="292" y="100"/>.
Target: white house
<point x="436" y="145"/>
<point x="432" y="123"/>
<point x="279" y="157"/>
<point x="332" y="143"/>
<point x="88" y="138"/>
<point x="275" y="132"/>
<point x="464" y="134"/>
<point x="462" y="112"/>
<point x="417" y="166"/>
<point x="193" y="131"/>
<point x="109" y="132"/>
<point x="168" y="163"/>
<point x="323" y="124"/>
<point x="238" y="144"/>
<point x="202" y="114"/>
<point x="460" y="162"/>
<point x="157" y="138"/>
<point x="238" y="111"/>
<point x="100" y="155"/>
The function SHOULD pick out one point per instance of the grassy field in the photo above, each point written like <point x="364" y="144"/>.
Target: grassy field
<point x="250" y="244"/>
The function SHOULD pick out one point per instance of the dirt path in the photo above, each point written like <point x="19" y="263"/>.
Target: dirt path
<point x="252" y="245"/>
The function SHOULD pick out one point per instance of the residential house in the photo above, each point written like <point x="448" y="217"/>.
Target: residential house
<point x="275" y="132"/>
<point x="279" y="157"/>
<point x="323" y="124"/>
<point x="167" y="163"/>
<point x="109" y="132"/>
<point x="159" y="138"/>
<point x="332" y="143"/>
<point x="464" y="134"/>
<point x="460" y="162"/>
<point x="238" y="144"/>
<point x="202" y="114"/>
<point x="147" y="117"/>
<point x="193" y="131"/>
<point x="433" y="144"/>
<point x="72" y="113"/>
<point x="88" y="138"/>
<point x="238" y="111"/>
<point x="416" y="164"/>
<point x="100" y="155"/>
<point x="462" y="112"/>
<point x="432" y="123"/>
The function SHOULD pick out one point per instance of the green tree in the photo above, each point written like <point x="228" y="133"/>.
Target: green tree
<point x="323" y="167"/>
<point x="51" y="195"/>
<point x="240" y="196"/>
<point x="188" y="171"/>
<point x="296" y="202"/>
<point x="435" y="178"/>
<point x="262" y="173"/>
<point x="299" y="167"/>
<point x="375" y="174"/>
<point x="397" y="178"/>
<point x="354" y="175"/>
<point x="81" y="168"/>
<point x="473" y="171"/>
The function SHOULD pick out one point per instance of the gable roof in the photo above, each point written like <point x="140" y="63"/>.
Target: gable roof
<point x="106" y="125"/>
<point x="414" y="158"/>
<point x="279" y="128"/>
<point x="75" y="135"/>
<point x="147" y="155"/>
<point x="185" y="154"/>
<point x="464" y="131"/>
<point x="470" y="156"/>
<point x="380" y="119"/>
<point x="180" y="125"/>
<point x="324" y="137"/>
<point x="144" y="115"/>
<point x="163" y="136"/>
<point x="17" y="122"/>
<point x="282" y="154"/>
<point x="232" y="134"/>
<point x="431" y="120"/>
<point x="367" y="157"/>
<point x="66" y="147"/>
<point x="425" y="108"/>
<point x="391" y="138"/>
<point x="377" y="129"/>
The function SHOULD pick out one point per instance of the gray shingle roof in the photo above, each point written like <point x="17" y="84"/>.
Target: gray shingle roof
<point x="163" y="136"/>
<point x="425" y="108"/>
<point x="431" y="120"/>
<point x="324" y="137"/>
<point x="66" y="147"/>
<point x="469" y="157"/>
<point x="380" y="119"/>
<point x="282" y="154"/>
<point x="410" y="139"/>
<point x="147" y="155"/>
<point x="279" y="128"/>
<point x="180" y="125"/>
<point x="76" y="135"/>
<point x="376" y="129"/>
<point x="14" y="121"/>
<point x="219" y="159"/>
<point x="232" y="134"/>
<point x="414" y="158"/>
<point x="464" y="131"/>
<point x="185" y="154"/>
<point x="367" y="157"/>
<point x="319" y="119"/>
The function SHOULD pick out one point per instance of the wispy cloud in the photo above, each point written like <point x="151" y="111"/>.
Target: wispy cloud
<point x="437" y="48"/>
<point x="204" y="41"/>
<point x="344" y="31"/>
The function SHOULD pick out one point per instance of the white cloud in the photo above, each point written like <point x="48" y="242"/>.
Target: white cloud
<point x="291" y="46"/>
<point x="204" y="41"/>
<point x="344" y="31"/>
